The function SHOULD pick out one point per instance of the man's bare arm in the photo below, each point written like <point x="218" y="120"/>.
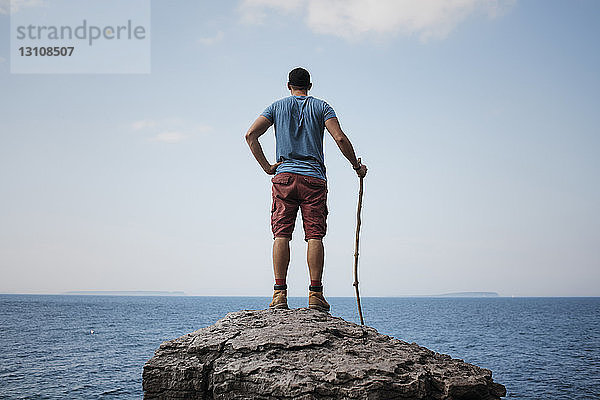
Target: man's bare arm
<point x="334" y="128"/>
<point x="258" y="128"/>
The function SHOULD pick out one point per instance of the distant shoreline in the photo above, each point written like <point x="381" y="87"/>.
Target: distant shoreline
<point x="125" y="293"/>
<point x="466" y="294"/>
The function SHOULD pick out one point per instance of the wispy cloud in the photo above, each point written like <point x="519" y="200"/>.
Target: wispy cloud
<point x="170" y="130"/>
<point x="169" y="137"/>
<point x="12" y="6"/>
<point x="210" y="40"/>
<point x="254" y="11"/>
<point x="142" y="124"/>
<point x="4" y="6"/>
<point x="352" y="19"/>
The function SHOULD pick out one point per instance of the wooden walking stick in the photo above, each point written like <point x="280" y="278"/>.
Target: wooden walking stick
<point x="355" y="284"/>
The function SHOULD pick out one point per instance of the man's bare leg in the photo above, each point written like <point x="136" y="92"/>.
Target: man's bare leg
<point x="281" y="260"/>
<point x="315" y="256"/>
<point x="281" y="257"/>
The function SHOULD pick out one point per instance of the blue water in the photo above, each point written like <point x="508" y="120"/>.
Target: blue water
<point x="539" y="348"/>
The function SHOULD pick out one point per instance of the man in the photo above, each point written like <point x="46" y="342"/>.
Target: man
<point x="300" y="180"/>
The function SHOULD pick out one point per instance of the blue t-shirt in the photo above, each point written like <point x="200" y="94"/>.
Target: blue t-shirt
<point x="299" y="126"/>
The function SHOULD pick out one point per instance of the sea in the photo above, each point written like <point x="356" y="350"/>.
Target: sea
<point x="94" y="347"/>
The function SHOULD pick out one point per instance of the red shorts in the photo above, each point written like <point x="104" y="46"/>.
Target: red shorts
<point x="292" y="191"/>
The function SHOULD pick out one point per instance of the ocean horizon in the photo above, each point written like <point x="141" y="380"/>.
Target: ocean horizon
<point x="94" y="346"/>
<point x="179" y="293"/>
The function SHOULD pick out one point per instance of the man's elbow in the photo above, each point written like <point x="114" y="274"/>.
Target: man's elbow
<point x="250" y="137"/>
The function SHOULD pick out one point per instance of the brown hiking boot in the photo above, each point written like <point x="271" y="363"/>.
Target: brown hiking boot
<point x="317" y="301"/>
<point x="279" y="299"/>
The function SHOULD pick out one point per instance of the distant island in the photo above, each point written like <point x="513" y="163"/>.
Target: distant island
<point x="468" y="294"/>
<point x="125" y="293"/>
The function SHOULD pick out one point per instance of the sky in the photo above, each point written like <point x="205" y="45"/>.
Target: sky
<point x="478" y="120"/>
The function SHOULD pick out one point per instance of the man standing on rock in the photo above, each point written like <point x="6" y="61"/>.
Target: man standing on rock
<point x="300" y="180"/>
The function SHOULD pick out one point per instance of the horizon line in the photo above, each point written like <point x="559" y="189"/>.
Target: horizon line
<point x="151" y="293"/>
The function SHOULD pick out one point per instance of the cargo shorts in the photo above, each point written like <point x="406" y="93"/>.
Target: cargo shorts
<point x="292" y="191"/>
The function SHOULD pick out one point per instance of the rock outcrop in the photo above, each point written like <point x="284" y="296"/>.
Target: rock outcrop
<point x="306" y="354"/>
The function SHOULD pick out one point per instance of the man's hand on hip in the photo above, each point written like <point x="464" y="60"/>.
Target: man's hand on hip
<point x="272" y="168"/>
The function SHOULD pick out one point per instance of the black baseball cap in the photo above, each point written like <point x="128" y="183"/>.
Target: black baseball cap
<point x="299" y="77"/>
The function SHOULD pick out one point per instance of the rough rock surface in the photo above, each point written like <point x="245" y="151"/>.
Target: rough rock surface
<point x="306" y="354"/>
